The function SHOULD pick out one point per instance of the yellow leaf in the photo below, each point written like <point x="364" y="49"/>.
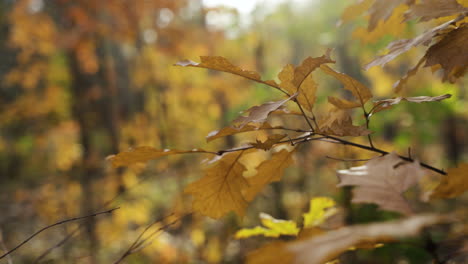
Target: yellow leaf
<point x="320" y="209"/>
<point x="392" y="26"/>
<point x="359" y="90"/>
<point x="144" y="154"/>
<point x="220" y="190"/>
<point x="274" y="228"/>
<point x="453" y="184"/>
<point x="268" y="171"/>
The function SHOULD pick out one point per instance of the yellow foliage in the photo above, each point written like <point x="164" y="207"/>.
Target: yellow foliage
<point x="319" y="210"/>
<point x="273" y="228"/>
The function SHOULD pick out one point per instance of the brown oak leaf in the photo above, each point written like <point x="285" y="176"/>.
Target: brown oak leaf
<point x="382" y="181"/>
<point x="268" y="171"/>
<point x="339" y="123"/>
<point x="258" y="114"/>
<point x="398" y="47"/>
<point x="220" y="190"/>
<point x="328" y="246"/>
<point x="388" y="103"/>
<point x="219" y="63"/>
<point x="361" y="92"/>
<point x="451" y="53"/>
<point x="269" y="142"/>
<point x="227" y="131"/>
<point x="431" y="9"/>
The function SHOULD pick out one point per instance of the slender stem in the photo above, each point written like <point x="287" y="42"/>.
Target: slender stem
<point x="304" y="115"/>
<point x="383" y="152"/>
<point x="56" y="224"/>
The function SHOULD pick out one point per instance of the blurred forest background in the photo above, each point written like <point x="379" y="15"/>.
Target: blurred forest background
<point x="81" y="80"/>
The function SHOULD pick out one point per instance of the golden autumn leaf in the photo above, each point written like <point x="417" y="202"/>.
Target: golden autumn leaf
<point x="341" y="103"/>
<point x="144" y="154"/>
<point x="339" y="123"/>
<point x="258" y="114"/>
<point x="328" y="246"/>
<point x="388" y="103"/>
<point x="432" y="9"/>
<point x="268" y="171"/>
<point x="219" y="63"/>
<point x="355" y="10"/>
<point x="299" y="79"/>
<point x="361" y="92"/>
<point x="227" y="131"/>
<point x="269" y="142"/>
<point x="220" y="190"/>
<point x="451" y="53"/>
<point x="320" y="209"/>
<point x="453" y="184"/>
<point x="381" y="10"/>
<point x="382" y="181"/>
<point x="398" y="47"/>
<point x="273" y="228"/>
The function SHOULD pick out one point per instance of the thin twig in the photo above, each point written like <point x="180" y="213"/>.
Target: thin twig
<point x="56" y="224"/>
<point x="139" y="243"/>
<point x="4" y="248"/>
<point x="59" y="244"/>
<point x="383" y="152"/>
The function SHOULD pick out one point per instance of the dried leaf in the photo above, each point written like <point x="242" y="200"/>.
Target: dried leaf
<point x="355" y="10"/>
<point x="268" y="171"/>
<point x="227" y="131"/>
<point x="339" y="123"/>
<point x="398" y="86"/>
<point x="299" y="79"/>
<point x="219" y="63"/>
<point x="220" y="190"/>
<point x="387" y="103"/>
<point x="453" y="184"/>
<point x="382" y="181"/>
<point x="398" y="47"/>
<point x="308" y="66"/>
<point x="451" y="53"/>
<point x="269" y="142"/>
<point x="330" y="245"/>
<point x="320" y="209"/>
<point x="431" y="9"/>
<point x="144" y="154"/>
<point x="359" y="90"/>
<point x="343" y="103"/>
<point x="258" y="114"/>
<point x="382" y="10"/>
<point x="392" y="26"/>
<point x="274" y="228"/>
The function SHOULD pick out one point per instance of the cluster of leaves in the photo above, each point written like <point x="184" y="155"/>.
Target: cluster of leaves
<point x="382" y="180"/>
<point x="447" y="41"/>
